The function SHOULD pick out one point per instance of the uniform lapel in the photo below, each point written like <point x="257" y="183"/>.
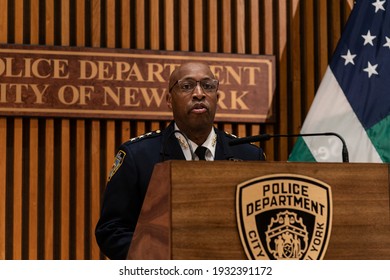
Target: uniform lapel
<point x="170" y="147"/>
<point x="222" y="150"/>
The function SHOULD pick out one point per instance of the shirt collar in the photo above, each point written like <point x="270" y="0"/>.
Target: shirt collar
<point x="210" y="144"/>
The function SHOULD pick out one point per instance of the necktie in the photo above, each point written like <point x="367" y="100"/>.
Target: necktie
<point x="200" y="152"/>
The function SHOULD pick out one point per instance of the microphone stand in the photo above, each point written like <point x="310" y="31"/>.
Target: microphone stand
<point x="263" y="137"/>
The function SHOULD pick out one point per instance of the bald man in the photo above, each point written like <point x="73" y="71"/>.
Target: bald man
<point x="192" y="97"/>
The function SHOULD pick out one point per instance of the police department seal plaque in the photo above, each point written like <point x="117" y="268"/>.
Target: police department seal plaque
<point x="284" y="217"/>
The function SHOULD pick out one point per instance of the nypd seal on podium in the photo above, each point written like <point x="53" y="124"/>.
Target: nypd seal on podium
<point x="284" y="217"/>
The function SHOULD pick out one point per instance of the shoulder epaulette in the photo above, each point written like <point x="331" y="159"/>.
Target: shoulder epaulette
<point x="230" y="135"/>
<point x="146" y="135"/>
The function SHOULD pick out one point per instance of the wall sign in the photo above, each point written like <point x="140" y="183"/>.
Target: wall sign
<point x="125" y="84"/>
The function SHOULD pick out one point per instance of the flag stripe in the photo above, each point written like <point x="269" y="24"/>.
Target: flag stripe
<point x="379" y="132"/>
<point x="301" y="152"/>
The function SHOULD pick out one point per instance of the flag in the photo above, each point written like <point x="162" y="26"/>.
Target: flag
<point x="353" y="99"/>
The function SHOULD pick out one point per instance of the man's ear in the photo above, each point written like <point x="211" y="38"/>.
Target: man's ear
<point x="169" y="100"/>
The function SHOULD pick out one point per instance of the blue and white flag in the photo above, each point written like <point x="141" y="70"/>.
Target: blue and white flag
<point x="353" y="99"/>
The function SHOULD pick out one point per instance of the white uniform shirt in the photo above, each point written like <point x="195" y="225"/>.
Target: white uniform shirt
<point x="210" y="144"/>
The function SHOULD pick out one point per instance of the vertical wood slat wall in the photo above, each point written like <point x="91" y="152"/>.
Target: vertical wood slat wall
<point x="53" y="170"/>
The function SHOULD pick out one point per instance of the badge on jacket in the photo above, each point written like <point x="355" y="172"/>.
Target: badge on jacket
<point x="120" y="156"/>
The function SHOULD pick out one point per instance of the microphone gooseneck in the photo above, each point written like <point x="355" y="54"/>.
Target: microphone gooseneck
<point x="264" y="137"/>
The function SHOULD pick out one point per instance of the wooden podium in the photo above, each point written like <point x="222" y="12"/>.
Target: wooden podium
<point x="189" y="209"/>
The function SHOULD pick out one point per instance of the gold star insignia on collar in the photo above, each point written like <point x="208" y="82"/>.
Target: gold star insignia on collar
<point x="214" y="140"/>
<point x="182" y="141"/>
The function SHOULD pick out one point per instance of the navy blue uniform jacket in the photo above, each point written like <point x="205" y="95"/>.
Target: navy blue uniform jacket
<point x="127" y="187"/>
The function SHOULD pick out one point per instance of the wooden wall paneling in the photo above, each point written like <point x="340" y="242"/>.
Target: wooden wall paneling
<point x="198" y="25"/>
<point x="17" y="197"/>
<point x="269" y="28"/>
<point x="241" y="130"/>
<point x="290" y="83"/>
<point x="49" y="22"/>
<point x="49" y="191"/>
<point x="126" y="131"/>
<point x="240" y="26"/>
<point x="79" y="165"/>
<point x="4" y="21"/>
<point x="335" y="24"/>
<point x="350" y="6"/>
<point x="33" y="183"/>
<point x="110" y="23"/>
<point x="293" y="101"/>
<point x="228" y="127"/>
<point x="308" y="71"/>
<point x="49" y="149"/>
<point x="226" y="27"/>
<point x="95" y="189"/>
<point x="65" y="190"/>
<point x="239" y="35"/>
<point x="213" y="33"/>
<point x="125" y="24"/>
<point x="96" y="151"/>
<point x="33" y="190"/>
<point x="253" y="31"/>
<point x="140" y="128"/>
<point x="96" y="20"/>
<point x="80" y="189"/>
<point x="17" y="152"/>
<point x="3" y="186"/>
<point x="140" y="37"/>
<point x="65" y="24"/>
<point x="283" y="78"/>
<point x="34" y="22"/>
<point x="140" y="22"/>
<point x="322" y="49"/>
<point x="19" y="20"/>
<point x="80" y="23"/>
<point x="184" y="25"/>
<point x="212" y="27"/>
<point x="154" y="17"/>
<point x="269" y="49"/>
<point x="169" y="27"/>
<point x="155" y="125"/>
<point x="95" y="138"/>
<point x="65" y="150"/>
<point x="347" y="11"/>
<point x="254" y="26"/>
<point x="125" y="43"/>
<point x="111" y="131"/>
<point x="110" y="145"/>
<point x="226" y="42"/>
<point x="252" y="18"/>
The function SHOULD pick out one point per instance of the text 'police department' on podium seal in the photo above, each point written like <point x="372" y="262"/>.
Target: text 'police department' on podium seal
<point x="284" y="217"/>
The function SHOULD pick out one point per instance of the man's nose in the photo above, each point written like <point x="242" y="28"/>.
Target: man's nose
<point x="198" y="91"/>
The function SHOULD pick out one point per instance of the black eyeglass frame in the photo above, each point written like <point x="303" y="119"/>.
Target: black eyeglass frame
<point x="197" y="81"/>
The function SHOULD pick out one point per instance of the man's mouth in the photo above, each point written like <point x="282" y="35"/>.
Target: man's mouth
<point x="199" y="108"/>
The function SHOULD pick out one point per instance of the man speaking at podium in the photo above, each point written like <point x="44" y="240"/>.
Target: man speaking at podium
<point x="193" y="96"/>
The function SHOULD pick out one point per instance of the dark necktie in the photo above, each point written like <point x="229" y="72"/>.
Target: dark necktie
<point x="201" y="152"/>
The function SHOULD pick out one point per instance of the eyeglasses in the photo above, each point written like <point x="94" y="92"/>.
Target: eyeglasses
<point x="188" y="85"/>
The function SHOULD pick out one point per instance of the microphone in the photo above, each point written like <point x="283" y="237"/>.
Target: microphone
<point x="187" y="140"/>
<point x="263" y="137"/>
